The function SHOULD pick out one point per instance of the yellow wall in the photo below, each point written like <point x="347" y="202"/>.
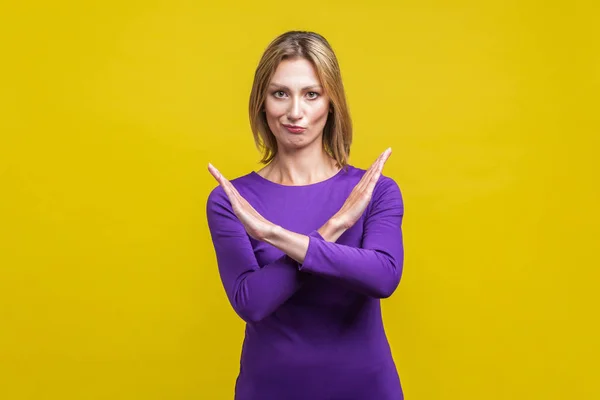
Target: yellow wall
<point x="110" y="113"/>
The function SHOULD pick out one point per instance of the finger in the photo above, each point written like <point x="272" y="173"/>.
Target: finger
<point x="224" y="183"/>
<point x="239" y="200"/>
<point x="217" y="175"/>
<point x="368" y="176"/>
<point x="371" y="185"/>
<point x="232" y="192"/>
<point x="376" y="163"/>
<point x="375" y="177"/>
<point x="381" y="160"/>
<point x="235" y="198"/>
<point x="236" y="194"/>
<point x="386" y="155"/>
<point x="229" y="188"/>
<point x="214" y="172"/>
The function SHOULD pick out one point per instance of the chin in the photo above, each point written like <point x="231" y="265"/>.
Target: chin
<point x="300" y="142"/>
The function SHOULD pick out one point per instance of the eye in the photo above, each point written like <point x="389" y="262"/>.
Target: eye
<point x="312" y="95"/>
<point x="279" y="94"/>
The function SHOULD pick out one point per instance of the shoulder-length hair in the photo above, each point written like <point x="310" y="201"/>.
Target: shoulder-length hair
<point x="337" y="133"/>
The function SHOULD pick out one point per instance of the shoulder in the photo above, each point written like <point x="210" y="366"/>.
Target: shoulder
<point x="387" y="191"/>
<point x="387" y="184"/>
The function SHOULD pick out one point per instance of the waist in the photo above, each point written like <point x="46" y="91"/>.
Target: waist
<point x="360" y="380"/>
<point x="290" y="349"/>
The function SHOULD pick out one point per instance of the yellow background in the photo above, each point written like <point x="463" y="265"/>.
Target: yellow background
<point x="110" y="112"/>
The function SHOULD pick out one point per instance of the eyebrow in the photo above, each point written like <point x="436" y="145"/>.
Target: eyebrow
<point x="287" y="88"/>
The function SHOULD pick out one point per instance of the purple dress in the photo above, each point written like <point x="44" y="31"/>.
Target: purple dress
<point x="314" y="330"/>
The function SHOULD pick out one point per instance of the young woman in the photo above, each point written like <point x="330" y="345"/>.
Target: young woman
<point x="308" y="245"/>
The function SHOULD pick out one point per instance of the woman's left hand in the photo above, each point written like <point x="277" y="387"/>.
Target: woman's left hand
<point x="255" y="224"/>
<point x="361" y="195"/>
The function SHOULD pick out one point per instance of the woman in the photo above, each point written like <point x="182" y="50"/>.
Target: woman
<point x="308" y="245"/>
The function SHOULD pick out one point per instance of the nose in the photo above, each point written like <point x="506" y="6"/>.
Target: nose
<point x="295" y="110"/>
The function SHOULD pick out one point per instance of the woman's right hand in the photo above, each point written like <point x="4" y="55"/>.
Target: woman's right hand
<point x="257" y="226"/>
<point x="357" y="202"/>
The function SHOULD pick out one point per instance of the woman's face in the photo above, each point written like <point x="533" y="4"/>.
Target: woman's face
<point x="296" y="105"/>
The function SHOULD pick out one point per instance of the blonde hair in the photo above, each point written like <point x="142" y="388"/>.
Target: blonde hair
<point x="337" y="133"/>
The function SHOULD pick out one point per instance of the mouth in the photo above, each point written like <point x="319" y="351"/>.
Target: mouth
<point x="294" y="128"/>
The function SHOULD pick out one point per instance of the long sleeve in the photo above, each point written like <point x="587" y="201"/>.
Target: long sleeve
<point x="374" y="269"/>
<point x="254" y="292"/>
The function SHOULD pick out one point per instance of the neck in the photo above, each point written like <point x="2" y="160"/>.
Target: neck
<point x="300" y="167"/>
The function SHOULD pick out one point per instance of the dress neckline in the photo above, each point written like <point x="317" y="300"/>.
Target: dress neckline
<point x="331" y="178"/>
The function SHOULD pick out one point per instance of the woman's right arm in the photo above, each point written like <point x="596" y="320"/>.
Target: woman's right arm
<point x="254" y="292"/>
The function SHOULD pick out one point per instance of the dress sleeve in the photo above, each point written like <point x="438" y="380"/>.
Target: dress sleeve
<point x="254" y="292"/>
<point x="374" y="269"/>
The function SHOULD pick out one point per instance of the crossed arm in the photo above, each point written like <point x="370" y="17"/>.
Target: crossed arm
<point x="256" y="292"/>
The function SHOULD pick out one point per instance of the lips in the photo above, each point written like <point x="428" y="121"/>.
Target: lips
<point x="294" y="128"/>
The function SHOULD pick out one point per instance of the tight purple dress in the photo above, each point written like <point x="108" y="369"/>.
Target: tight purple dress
<point x="314" y="331"/>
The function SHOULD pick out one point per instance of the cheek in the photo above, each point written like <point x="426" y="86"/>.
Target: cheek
<point x="274" y="109"/>
<point x="320" y="112"/>
<point x="273" y="112"/>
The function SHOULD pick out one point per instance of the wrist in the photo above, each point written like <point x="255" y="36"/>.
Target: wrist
<point x="272" y="233"/>
<point x="332" y="230"/>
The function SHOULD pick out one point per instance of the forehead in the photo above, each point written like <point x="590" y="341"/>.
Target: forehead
<point x="296" y="71"/>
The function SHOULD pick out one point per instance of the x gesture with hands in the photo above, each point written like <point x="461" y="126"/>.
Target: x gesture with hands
<point x="294" y="244"/>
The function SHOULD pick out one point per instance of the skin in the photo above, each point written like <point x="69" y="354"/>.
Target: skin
<point x="296" y="98"/>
